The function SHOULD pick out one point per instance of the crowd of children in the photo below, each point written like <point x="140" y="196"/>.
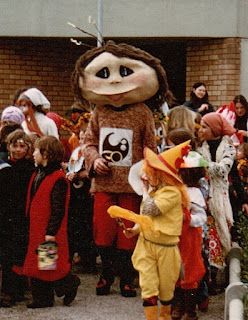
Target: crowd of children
<point x="34" y="210"/>
<point x="56" y="195"/>
<point x="28" y="164"/>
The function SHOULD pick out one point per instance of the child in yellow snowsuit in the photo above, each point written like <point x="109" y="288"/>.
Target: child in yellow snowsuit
<point x="156" y="256"/>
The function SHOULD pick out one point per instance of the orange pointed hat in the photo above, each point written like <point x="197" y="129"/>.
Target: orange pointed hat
<point x="170" y="160"/>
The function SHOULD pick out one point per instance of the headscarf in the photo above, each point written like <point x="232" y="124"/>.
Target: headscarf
<point x="218" y="124"/>
<point x="33" y="97"/>
<point x="37" y="98"/>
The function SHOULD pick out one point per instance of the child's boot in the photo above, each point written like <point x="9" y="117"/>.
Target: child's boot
<point x="151" y="308"/>
<point x="190" y="304"/>
<point x="151" y="312"/>
<point x="42" y="292"/>
<point x="165" y="312"/>
<point x="107" y="275"/>
<point x="127" y="274"/>
<point x="202" y="299"/>
<point x="178" y="307"/>
<point x="67" y="287"/>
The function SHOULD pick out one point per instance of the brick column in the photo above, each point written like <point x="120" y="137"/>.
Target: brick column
<point x="216" y="62"/>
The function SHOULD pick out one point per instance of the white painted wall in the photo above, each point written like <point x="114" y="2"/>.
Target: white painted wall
<point x="126" y="18"/>
<point x="244" y="68"/>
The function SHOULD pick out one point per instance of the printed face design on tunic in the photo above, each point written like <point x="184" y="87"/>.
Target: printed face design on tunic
<point x="110" y="80"/>
<point x="116" y="145"/>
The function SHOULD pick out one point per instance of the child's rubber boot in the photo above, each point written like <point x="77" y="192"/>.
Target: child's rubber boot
<point x="203" y="306"/>
<point x="178" y="305"/>
<point x="177" y="313"/>
<point x="151" y="312"/>
<point x="190" y="304"/>
<point x="165" y="312"/>
<point x="103" y="285"/>
<point x="7" y="301"/>
<point x="71" y="292"/>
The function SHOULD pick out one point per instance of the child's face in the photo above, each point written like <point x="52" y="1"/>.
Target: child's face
<point x="18" y="150"/>
<point x="1" y="126"/>
<point x="81" y="137"/>
<point x="240" y="154"/>
<point x="24" y="107"/>
<point x="39" y="159"/>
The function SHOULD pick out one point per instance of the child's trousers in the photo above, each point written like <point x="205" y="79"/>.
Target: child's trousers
<point x="158" y="267"/>
<point x="43" y="291"/>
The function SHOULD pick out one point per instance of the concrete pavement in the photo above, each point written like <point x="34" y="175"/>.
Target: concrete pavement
<point x="88" y="306"/>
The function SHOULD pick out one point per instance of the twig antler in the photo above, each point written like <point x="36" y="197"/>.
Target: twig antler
<point x="91" y="20"/>
<point x="80" y="43"/>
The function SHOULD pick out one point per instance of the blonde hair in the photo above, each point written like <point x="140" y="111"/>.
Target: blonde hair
<point x="160" y="178"/>
<point x="181" y="117"/>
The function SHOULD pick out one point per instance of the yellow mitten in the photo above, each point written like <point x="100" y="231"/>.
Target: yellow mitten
<point x="144" y="222"/>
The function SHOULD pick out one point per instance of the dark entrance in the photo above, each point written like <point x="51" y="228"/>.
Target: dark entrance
<point x="173" y="58"/>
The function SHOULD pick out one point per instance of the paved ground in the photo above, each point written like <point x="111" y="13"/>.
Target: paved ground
<point x="88" y="306"/>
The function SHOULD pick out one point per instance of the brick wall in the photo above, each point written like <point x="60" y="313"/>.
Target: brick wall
<point x="43" y="63"/>
<point x="48" y="63"/>
<point x="216" y="62"/>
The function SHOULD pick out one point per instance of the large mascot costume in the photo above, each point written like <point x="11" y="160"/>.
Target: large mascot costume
<point x="121" y="81"/>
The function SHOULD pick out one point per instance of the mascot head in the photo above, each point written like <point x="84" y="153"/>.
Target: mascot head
<point x="118" y="75"/>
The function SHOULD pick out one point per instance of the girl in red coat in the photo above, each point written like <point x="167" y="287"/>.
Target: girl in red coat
<point x="190" y="245"/>
<point x="47" y="209"/>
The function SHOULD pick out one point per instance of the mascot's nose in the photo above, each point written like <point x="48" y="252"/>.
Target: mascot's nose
<point x="115" y="78"/>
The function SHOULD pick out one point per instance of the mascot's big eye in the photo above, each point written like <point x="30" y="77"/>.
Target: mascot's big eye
<point x="125" y="71"/>
<point x="103" y="73"/>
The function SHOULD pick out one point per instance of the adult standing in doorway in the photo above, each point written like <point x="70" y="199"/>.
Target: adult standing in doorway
<point x="199" y="99"/>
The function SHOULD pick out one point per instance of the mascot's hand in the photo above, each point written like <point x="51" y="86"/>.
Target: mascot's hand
<point x="101" y="166"/>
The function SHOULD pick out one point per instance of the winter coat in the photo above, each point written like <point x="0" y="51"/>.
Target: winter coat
<point x="219" y="202"/>
<point x="40" y="212"/>
<point x="190" y="244"/>
<point x="5" y="210"/>
<point x="195" y="106"/>
<point x="21" y="173"/>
